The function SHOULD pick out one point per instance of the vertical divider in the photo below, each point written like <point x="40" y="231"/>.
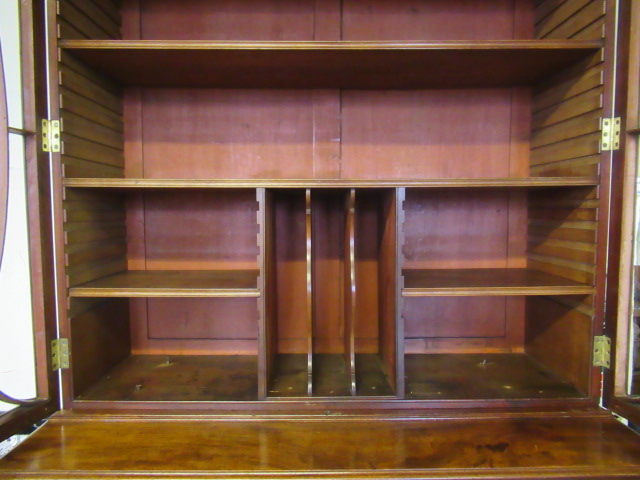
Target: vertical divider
<point x="350" y="290"/>
<point x="399" y="285"/>
<point x="309" y="318"/>
<point x="267" y="327"/>
<point x="388" y="284"/>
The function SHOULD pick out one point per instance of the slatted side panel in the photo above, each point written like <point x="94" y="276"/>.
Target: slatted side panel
<point x="566" y="109"/>
<point x="91" y="114"/>
<point x="95" y="235"/>
<point x="565" y="141"/>
<point x="92" y="19"/>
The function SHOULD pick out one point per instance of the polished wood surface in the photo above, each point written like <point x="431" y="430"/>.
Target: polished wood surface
<point x="167" y="183"/>
<point x="378" y="65"/>
<point x="482" y="376"/>
<point x="487" y="281"/>
<point x="178" y="378"/>
<point x="159" y="283"/>
<point x="329" y="447"/>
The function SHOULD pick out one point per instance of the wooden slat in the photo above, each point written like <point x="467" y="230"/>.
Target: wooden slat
<point x="562" y="233"/>
<point x="78" y="20"/>
<point x="577" y="275"/>
<point x="69" y="62"/>
<point x="574" y="107"/>
<point x="98" y="16"/>
<point x="80" y="254"/>
<point x="89" y="271"/>
<point x="80" y="168"/>
<point x="82" y="86"/>
<point x="350" y="289"/>
<point x="93" y="215"/>
<point x="566" y="252"/>
<point x="566" y="150"/>
<point x="562" y="91"/>
<point x="595" y="31"/>
<point x="572" y="26"/>
<point x="531" y="182"/>
<point x="575" y="70"/>
<point x="487" y="282"/>
<point x="148" y="283"/>
<point x="67" y="31"/>
<point x="545" y="8"/>
<point x="559" y="16"/>
<point x="572" y="128"/>
<point x="561" y="214"/>
<point x="83" y="107"/>
<point x="111" y="8"/>
<point x="589" y="166"/>
<point x="95" y="152"/>
<point x="92" y="235"/>
<point x="92" y="131"/>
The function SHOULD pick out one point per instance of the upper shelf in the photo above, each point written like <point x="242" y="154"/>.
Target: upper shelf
<point x="161" y="283"/>
<point x="356" y="65"/>
<point x="129" y="183"/>
<point x="487" y="282"/>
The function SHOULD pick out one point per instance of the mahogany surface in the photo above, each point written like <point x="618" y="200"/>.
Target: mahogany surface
<point x="329" y="447"/>
<point x="466" y="376"/>
<point x="365" y="65"/>
<point x="488" y="281"/>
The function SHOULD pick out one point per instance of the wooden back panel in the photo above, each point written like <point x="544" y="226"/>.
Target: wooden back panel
<point x="461" y="229"/>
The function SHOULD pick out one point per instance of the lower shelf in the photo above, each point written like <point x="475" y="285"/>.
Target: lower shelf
<point x="179" y="378"/>
<point x="482" y="376"/>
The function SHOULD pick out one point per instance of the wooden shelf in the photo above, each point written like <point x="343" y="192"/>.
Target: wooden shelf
<point x="487" y="282"/>
<point x="362" y="65"/>
<point x="129" y="183"/>
<point x="160" y="283"/>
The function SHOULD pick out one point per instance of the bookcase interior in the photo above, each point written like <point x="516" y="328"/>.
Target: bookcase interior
<point x="295" y="242"/>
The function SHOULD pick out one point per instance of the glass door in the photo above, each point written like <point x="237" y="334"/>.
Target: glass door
<point x="28" y="387"/>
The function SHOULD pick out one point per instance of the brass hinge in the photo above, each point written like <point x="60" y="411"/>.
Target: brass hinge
<point x="59" y="354"/>
<point x="602" y="351"/>
<point x="50" y="135"/>
<point x="610" y="139"/>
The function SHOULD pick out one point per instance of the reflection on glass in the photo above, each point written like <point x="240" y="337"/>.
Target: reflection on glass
<point x="17" y="367"/>
<point x="634" y="353"/>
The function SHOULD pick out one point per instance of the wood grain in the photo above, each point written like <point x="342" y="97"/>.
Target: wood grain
<point x="169" y="183"/>
<point x="487" y="281"/>
<point x="377" y="65"/>
<point x="157" y="283"/>
<point x="482" y="447"/>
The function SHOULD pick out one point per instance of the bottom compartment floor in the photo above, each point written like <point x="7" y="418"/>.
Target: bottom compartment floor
<point x="482" y="376"/>
<point x="179" y="378"/>
<point x="485" y="446"/>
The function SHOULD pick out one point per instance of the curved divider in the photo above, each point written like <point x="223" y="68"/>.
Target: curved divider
<point x="350" y="289"/>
